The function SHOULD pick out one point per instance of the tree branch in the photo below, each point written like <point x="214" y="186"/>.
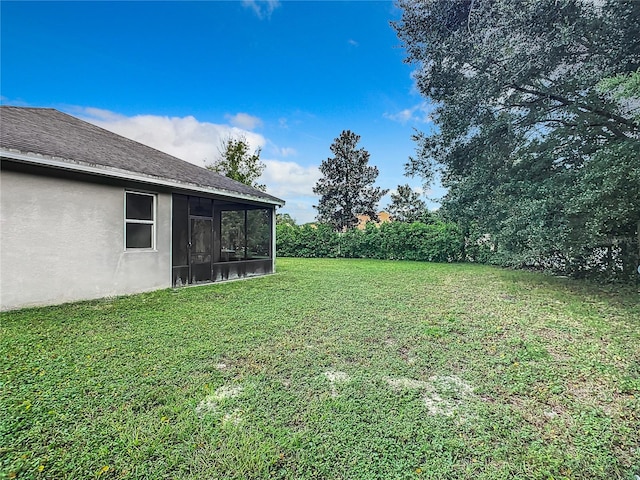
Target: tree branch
<point x="585" y="107"/>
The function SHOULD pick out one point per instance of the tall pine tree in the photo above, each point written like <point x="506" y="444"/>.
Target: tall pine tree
<point x="407" y="206"/>
<point x="346" y="187"/>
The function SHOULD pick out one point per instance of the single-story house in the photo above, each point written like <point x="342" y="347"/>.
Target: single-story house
<point x="86" y="213"/>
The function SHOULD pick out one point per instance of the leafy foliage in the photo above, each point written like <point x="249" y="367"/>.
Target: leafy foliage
<point x="624" y="87"/>
<point x="407" y="206"/>
<point x="346" y="188"/>
<point x="285" y="218"/>
<point x="237" y="162"/>
<point x="435" y="242"/>
<point x="537" y="135"/>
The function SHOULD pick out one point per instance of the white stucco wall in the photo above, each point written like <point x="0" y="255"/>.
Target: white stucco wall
<point x="63" y="240"/>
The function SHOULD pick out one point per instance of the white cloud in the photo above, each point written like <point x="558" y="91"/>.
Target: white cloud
<point x="301" y="209"/>
<point x="262" y="8"/>
<point x="293" y="183"/>
<point x="282" y="151"/>
<point x="288" y="151"/>
<point x="285" y="179"/>
<point x="353" y="42"/>
<point x="198" y="142"/>
<point x="420" y="113"/>
<point x="183" y="137"/>
<point x="402" y="116"/>
<point x="244" y="120"/>
<point x="101" y="114"/>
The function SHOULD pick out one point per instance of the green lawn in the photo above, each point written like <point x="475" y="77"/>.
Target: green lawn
<point x="330" y="369"/>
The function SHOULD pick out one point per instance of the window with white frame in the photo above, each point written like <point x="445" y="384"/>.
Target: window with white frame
<point x="140" y="220"/>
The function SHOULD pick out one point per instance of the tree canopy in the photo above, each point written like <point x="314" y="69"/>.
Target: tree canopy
<point x="346" y="187"/>
<point x="538" y="134"/>
<point x="285" y="219"/>
<point x="236" y="161"/>
<point x="407" y="206"/>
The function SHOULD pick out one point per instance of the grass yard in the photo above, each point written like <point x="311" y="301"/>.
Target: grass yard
<point x="331" y="369"/>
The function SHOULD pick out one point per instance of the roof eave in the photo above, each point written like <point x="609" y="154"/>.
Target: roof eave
<point x="110" y="172"/>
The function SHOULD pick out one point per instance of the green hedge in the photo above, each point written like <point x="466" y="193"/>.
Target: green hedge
<point x="435" y="242"/>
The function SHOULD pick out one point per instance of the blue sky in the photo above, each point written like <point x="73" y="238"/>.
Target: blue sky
<point x="180" y="76"/>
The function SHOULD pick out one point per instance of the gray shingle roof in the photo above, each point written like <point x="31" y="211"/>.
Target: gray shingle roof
<point x="51" y="133"/>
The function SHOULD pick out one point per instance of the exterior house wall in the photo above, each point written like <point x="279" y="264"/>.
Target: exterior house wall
<point x="62" y="240"/>
<point x="383" y="217"/>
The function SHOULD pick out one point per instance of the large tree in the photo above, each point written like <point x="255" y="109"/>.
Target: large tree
<point x="407" y="206"/>
<point x="236" y="161"/>
<point x="346" y="187"/>
<point x="536" y="146"/>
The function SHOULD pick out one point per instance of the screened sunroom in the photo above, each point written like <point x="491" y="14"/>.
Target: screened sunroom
<point x="218" y="239"/>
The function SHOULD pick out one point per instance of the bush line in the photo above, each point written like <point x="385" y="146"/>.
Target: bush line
<point x="434" y="242"/>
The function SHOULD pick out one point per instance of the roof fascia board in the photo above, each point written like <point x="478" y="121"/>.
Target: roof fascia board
<point x="125" y="175"/>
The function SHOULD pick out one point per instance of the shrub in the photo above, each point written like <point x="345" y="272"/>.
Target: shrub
<point x="435" y="242"/>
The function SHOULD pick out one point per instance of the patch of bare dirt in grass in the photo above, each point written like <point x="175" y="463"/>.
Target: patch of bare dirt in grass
<point x="390" y="342"/>
<point x="407" y="384"/>
<point x="213" y="401"/>
<point x="232" y="418"/>
<point x="442" y="394"/>
<point x="335" y="378"/>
